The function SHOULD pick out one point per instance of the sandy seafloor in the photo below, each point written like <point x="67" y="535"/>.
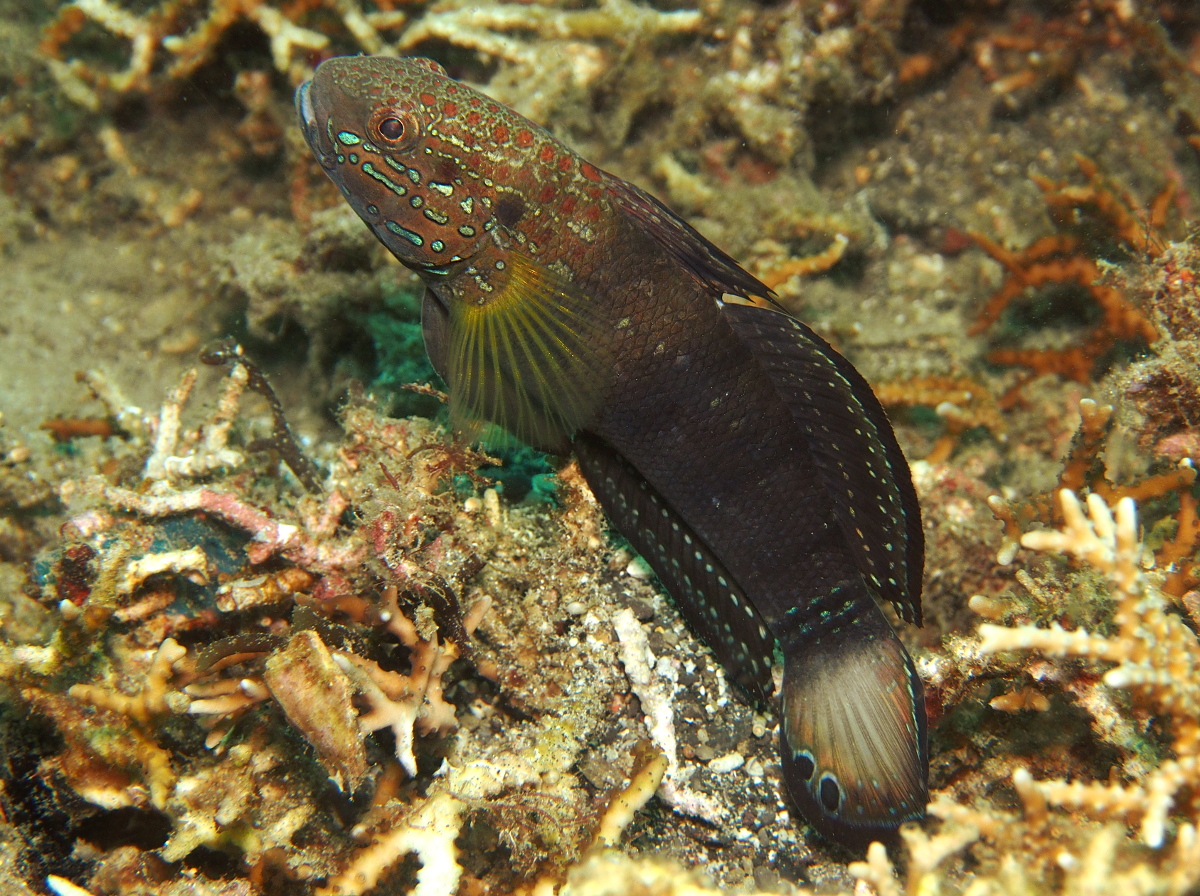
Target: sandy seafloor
<point x="140" y="221"/>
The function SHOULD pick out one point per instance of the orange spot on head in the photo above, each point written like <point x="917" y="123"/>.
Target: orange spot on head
<point x="547" y="194"/>
<point x="593" y="192"/>
<point x="500" y="134"/>
<point x="564" y="162"/>
<point x="547" y="154"/>
<point x="524" y="138"/>
<point x="449" y="109"/>
<point x="592" y="213"/>
<point x="475" y="102"/>
<point x="427" y="99"/>
<point x="473" y="118"/>
<point x="590" y="171"/>
<point x="451" y="88"/>
<point x="493" y="108"/>
<point x="568" y="205"/>
<point x="375" y="91"/>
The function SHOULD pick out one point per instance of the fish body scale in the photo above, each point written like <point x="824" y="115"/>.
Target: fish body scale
<point x="746" y="460"/>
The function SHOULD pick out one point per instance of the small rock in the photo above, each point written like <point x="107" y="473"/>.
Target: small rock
<point x="727" y="763"/>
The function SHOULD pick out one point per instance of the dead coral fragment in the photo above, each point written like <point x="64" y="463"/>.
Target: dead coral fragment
<point x="482" y="27"/>
<point x="429" y="831"/>
<point x="414" y="702"/>
<point x="1083" y="469"/>
<point x="1156" y="656"/>
<point x="962" y="403"/>
<point x="315" y="695"/>
<point x="298" y="543"/>
<point x="642" y="786"/>
<point x="153" y="701"/>
<point x="243" y="370"/>
<point x="202" y="452"/>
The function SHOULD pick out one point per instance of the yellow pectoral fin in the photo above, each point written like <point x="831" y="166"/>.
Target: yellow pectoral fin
<point x="532" y="357"/>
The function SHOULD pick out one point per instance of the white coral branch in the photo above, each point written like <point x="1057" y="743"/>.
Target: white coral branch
<point x="429" y="833"/>
<point x="1157" y="657"/>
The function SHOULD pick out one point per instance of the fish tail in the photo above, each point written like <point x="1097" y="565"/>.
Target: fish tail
<point x="854" y="748"/>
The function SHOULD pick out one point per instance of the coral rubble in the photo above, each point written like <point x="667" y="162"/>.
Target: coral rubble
<point x="263" y="639"/>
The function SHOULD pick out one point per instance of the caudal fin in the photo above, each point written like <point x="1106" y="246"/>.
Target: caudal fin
<point x="855" y="758"/>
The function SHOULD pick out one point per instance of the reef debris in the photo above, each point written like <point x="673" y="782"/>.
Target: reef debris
<point x="1156" y="657"/>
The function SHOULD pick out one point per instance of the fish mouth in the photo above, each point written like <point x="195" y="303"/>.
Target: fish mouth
<point x="310" y="125"/>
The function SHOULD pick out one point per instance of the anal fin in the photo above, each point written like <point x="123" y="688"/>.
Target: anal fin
<point x="706" y="594"/>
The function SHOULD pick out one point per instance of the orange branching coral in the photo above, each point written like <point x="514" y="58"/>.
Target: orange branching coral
<point x="1179" y="553"/>
<point x="778" y="273"/>
<point x="1060" y="259"/>
<point x="1105" y="202"/>
<point x="960" y="402"/>
<point x="1155" y="657"/>
<point x="1048" y="261"/>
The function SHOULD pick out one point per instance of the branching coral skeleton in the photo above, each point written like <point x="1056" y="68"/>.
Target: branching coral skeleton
<point x="481" y="27"/>
<point x="429" y="832"/>
<point x="1157" y="659"/>
<point x="652" y="690"/>
<point x="408" y="703"/>
<point x="202" y="452"/>
<point x="298" y="543"/>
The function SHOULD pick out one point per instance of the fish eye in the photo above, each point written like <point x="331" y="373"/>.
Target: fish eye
<point x="391" y="128"/>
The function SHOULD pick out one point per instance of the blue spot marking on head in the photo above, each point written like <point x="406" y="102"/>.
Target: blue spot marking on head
<point x="414" y="238"/>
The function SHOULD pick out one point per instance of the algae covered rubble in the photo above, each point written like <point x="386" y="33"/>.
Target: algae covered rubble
<point x="435" y="672"/>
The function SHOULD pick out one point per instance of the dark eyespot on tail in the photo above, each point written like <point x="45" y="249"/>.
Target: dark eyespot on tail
<point x="830" y="792"/>
<point x="805" y="765"/>
<point x="853" y="741"/>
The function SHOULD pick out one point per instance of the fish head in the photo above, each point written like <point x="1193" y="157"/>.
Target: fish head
<point x="373" y="123"/>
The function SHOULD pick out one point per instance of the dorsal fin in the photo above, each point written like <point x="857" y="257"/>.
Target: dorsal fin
<point x="701" y="258"/>
<point x="852" y="443"/>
